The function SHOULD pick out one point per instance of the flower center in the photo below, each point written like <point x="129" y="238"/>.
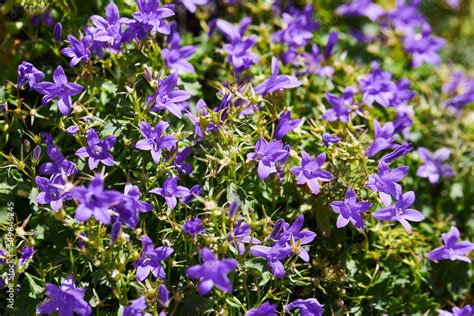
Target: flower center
<point x="97" y="150"/>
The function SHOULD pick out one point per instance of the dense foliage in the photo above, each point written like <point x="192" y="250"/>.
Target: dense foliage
<point x="236" y="157"/>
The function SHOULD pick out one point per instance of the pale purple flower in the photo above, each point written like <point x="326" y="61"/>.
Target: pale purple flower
<point x="240" y="236"/>
<point x="276" y="82"/>
<point x="328" y="138"/>
<point x="361" y="8"/>
<point x="273" y="255"/>
<point x="298" y="27"/>
<point x="27" y="72"/>
<point x="423" y="46"/>
<point x="52" y="191"/>
<point x="131" y="205"/>
<point x="136" y="308"/>
<point x="154" y="140"/>
<point x="378" y="87"/>
<point x="78" y="50"/>
<point x="71" y="130"/>
<point x="384" y="138"/>
<point x="266" y="309"/>
<point x="268" y="156"/>
<point x="61" y="89"/>
<point x="193" y="227"/>
<point x="458" y="311"/>
<point x="452" y="248"/>
<point x="386" y="180"/>
<point x="399" y="211"/>
<point x="97" y="150"/>
<point x="171" y="191"/>
<point x="66" y="299"/>
<point x="406" y="16"/>
<point x="307" y="307"/>
<point x="349" y="210"/>
<point x="310" y="172"/>
<point x="150" y="260"/>
<point x="212" y="272"/>
<point x="191" y="4"/>
<point x="175" y="56"/>
<point x="285" y="125"/>
<point x="434" y="166"/>
<point x="95" y="201"/>
<point x="341" y="107"/>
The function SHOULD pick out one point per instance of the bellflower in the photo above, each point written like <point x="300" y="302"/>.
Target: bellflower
<point x="276" y="82"/>
<point x="66" y="299"/>
<point x="310" y="172"/>
<point x="130" y="206"/>
<point x="399" y="211"/>
<point x="175" y="56"/>
<point x="273" y="255"/>
<point x="97" y="150"/>
<point x="240" y="236"/>
<point x="378" y="87"/>
<point x="191" y="4"/>
<point x="27" y="72"/>
<point x="26" y="254"/>
<point x="434" y="166"/>
<point x="268" y="155"/>
<point x="384" y="138"/>
<point x="285" y="125"/>
<point x="193" y="227"/>
<point x="45" y="17"/>
<point x="406" y="16"/>
<point x="179" y="161"/>
<point x="349" y="210"/>
<point x="171" y="191"/>
<point x="341" y="107"/>
<point x="165" y="97"/>
<point x="315" y="60"/>
<point x="452" y="249"/>
<point x="109" y="29"/>
<point x="298" y="27"/>
<point x="150" y="260"/>
<point x="295" y="238"/>
<point x="52" y="191"/>
<point x="423" y="47"/>
<point x="386" y="180"/>
<point x="154" y="140"/>
<point x="328" y="138"/>
<point x="266" y="309"/>
<point x="61" y="89"/>
<point x="307" y="307"/>
<point x="195" y="190"/>
<point x="78" y="50"/>
<point x="163" y="295"/>
<point x="399" y="151"/>
<point x="136" y="308"/>
<point x="59" y="162"/>
<point x="361" y="8"/>
<point x="458" y="311"/>
<point x="95" y="201"/>
<point x="212" y="272"/>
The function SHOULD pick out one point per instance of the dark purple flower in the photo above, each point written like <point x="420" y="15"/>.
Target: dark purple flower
<point x="97" y="150"/>
<point x="399" y="151"/>
<point x="136" y="308"/>
<point x="195" y="190"/>
<point x="154" y="140"/>
<point x="273" y="255"/>
<point x="163" y="295"/>
<point x="310" y="172"/>
<point x="240" y="236"/>
<point x="295" y="238"/>
<point x="299" y="27"/>
<point x="331" y="44"/>
<point x="434" y="166"/>
<point x="401" y="124"/>
<point x="458" y="311"/>
<point x="266" y="309"/>
<point x="268" y="155"/>
<point x="115" y="230"/>
<point x="349" y="210"/>
<point x="44" y="17"/>
<point x="307" y="307"/>
<point x="361" y="8"/>
<point x="28" y="73"/>
<point x="423" y="47"/>
<point x="52" y="191"/>
<point x="36" y="153"/>
<point x="108" y="30"/>
<point x="66" y="299"/>
<point x="384" y="138"/>
<point x="193" y="227"/>
<point x="150" y="260"/>
<point x="179" y="161"/>
<point x="385" y="180"/>
<point x="175" y="56"/>
<point x="165" y="97"/>
<point x="285" y="125"/>
<point x="452" y="249"/>
<point x="78" y="50"/>
<point x="341" y="107"/>
<point x="276" y="82"/>
<point x="59" y="163"/>
<point x="26" y="254"/>
<point x="170" y="191"/>
<point x="212" y="272"/>
<point x="191" y="4"/>
<point x="399" y="211"/>
<point x="61" y="89"/>
<point x="95" y="201"/>
<point x="328" y="138"/>
<point x="58" y="31"/>
<point x="131" y="205"/>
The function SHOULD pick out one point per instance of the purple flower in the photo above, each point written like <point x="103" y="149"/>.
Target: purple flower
<point x="385" y="180"/>
<point x="170" y="191"/>
<point x="212" y="272"/>
<point x="28" y="73"/>
<point x="294" y="237"/>
<point x="58" y="31"/>
<point x="399" y="151"/>
<point x="150" y="260"/>
<point x="285" y="125"/>
<point x="452" y="249"/>
<point x="61" y="89"/>
<point x="349" y="210"/>
<point x="310" y="172"/>
<point x="149" y="19"/>
<point x="378" y="87"/>
<point x="331" y="44"/>
<point x="71" y="130"/>
<point x="434" y="166"/>
<point x="307" y="307"/>
<point x="299" y="27"/>
<point x="458" y="311"/>
<point x="108" y="30"/>
<point x="273" y="255"/>
<point x="341" y="107"/>
<point x="95" y="201"/>
<point x="78" y="50"/>
<point x="399" y="211"/>
<point x="65" y="299"/>
<point x="361" y="8"/>
<point x="193" y="227"/>
<point x="97" y="150"/>
<point x="136" y="308"/>
<point x="266" y="309"/>
<point x="268" y="155"/>
<point x="406" y="16"/>
<point x="277" y="82"/>
<point x="26" y="254"/>
<point x="167" y="98"/>
<point x="44" y="17"/>
<point x="328" y="138"/>
<point x="384" y="138"/>
<point x="240" y="236"/>
<point x="130" y="206"/>
<point x="52" y="191"/>
<point x="154" y="140"/>
<point x="195" y="190"/>
<point x="179" y="161"/>
<point x="175" y="56"/>
<point x="59" y="163"/>
<point x="163" y="295"/>
<point x="423" y="47"/>
<point x="191" y="4"/>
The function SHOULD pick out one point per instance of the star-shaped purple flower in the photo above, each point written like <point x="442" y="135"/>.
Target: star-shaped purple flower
<point x="131" y="205"/>
<point x="268" y="155"/>
<point x="310" y="172"/>
<point x="285" y="125"/>
<point x="171" y="191"/>
<point x="384" y="138"/>
<point x="452" y="249"/>
<point x="240" y="236"/>
<point x="386" y="180"/>
<point x="175" y="56"/>
<point x="276" y="81"/>
<point x="307" y="307"/>
<point x="78" y="50"/>
<point x="150" y="260"/>
<point x="59" y="163"/>
<point x="154" y="140"/>
<point x="97" y="150"/>
<point x="434" y="166"/>
<point x="193" y="227"/>
<point x="52" y="191"/>
<point x="349" y="210"/>
<point x="341" y="107"/>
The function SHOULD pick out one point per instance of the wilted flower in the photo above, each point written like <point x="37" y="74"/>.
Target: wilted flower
<point x="154" y="140"/>
<point x="434" y="166"/>
<point x="150" y="260"/>
<point x="307" y="307"/>
<point x="349" y="210"/>
<point x="97" y="150"/>
<point x="452" y="249"/>
<point x="310" y="172"/>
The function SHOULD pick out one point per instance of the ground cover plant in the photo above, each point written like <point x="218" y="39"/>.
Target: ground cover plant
<point x="236" y="157"/>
